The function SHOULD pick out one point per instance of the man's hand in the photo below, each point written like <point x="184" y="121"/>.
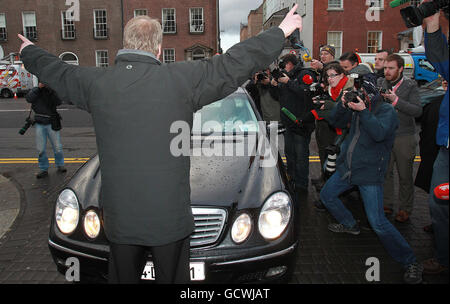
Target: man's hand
<point x="283" y="79"/>
<point x="291" y="22"/>
<point x="392" y="97"/>
<point x="25" y="43"/>
<point x="360" y="106"/>
<point x="316" y="64"/>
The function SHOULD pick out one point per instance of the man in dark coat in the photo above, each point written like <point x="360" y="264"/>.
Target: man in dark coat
<point x="145" y="191"/>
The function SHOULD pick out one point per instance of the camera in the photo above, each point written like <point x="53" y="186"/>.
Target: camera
<point x="28" y="123"/>
<point x="352" y="96"/>
<point x="261" y="76"/>
<point x="414" y="15"/>
<point x="278" y="73"/>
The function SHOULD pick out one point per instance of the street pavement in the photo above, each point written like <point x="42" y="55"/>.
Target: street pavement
<point x="26" y="207"/>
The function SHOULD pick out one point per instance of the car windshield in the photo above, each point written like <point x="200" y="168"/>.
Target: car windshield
<point x="233" y="114"/>
<point x="434" y="85"/>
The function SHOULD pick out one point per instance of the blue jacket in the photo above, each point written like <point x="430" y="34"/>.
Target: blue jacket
<point x="436" y="50"/>
<point x="366" y="150"/>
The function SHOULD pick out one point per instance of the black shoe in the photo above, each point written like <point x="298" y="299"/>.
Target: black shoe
<point x="62" y="169"/>
<point x="319" y="206"/>
<point x="42" y="174"/>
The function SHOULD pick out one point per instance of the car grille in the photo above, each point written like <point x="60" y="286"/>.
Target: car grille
<point x="209" y="224"/>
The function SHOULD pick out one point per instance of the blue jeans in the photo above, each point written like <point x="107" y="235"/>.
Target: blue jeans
<point x="439" y="210"/>
<point x="42" y="132"/>
<point x="297" y="156"/>
<point x="372" y="196"/>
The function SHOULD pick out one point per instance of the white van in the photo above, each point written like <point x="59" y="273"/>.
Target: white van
<point x="15" y="79"/>
<point x="409" y="62"/>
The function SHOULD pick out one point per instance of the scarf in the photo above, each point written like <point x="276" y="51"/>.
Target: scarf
<point x="336" y="91"/>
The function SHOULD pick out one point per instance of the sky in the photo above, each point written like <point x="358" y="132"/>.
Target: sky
<point x="232" y="13"/>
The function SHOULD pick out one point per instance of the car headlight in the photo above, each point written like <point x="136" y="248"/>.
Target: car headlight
<point x="91" y="224"/>
<point x="241" y="229"/>
<point x="275" y="215"/>
<point x="67" y="211"/>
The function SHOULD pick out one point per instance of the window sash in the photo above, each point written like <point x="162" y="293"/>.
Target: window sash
<point x="2" y="20"/>
<point x="100" y="23"/>
<point x="168" y="55"/>
<point x="374" y="41"/>
<point x="101" y="58"/>
<point x="335" y="39"/>
<point x="68" y="27"/>
<point x="140" y="12"/>
<point x="169" y="20"/>
<point x="196" y="20"/>
<point x="335" y="4"/>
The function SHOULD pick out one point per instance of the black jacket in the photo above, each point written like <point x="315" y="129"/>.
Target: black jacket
<point x="296" y="97"/>
<point x="43" y="102"/>
<point x="145" y="193"/>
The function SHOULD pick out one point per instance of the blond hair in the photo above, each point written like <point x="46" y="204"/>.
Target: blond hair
<point x="143" y="33"/>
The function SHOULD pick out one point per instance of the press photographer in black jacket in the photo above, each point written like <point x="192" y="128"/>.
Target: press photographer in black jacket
<point x="294" y="95"/>
<point x="47" y="123"/>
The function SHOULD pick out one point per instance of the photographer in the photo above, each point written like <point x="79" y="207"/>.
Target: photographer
<point x="48" y="123"/>
<point x="293" y="92"/>
<point x="436" y="48"/>
<point x="270" y="107"/>
<point x="350" y="63"/>
<point x="362" y="162"/>
<point x="403" y="94"/>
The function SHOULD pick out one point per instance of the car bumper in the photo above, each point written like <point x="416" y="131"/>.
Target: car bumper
<point x="269" y="267"/>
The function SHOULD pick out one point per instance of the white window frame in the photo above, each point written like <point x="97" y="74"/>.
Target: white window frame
<point x="196" y="28"/>
<point x="140" y="10"/>
<point x="66" y="23"/>
<point x="165" y="59"/>
<point x="380" y="4"/>
<point x="336" y="8"/>
<point x="380" y="42"/>
<point x="3" y="28"/>
<point x="27" y="25"/>
<point x="98" y="57"/>
<point x="338" y="48"/>
<point x="174" y="19"/>
<point x="101" y="31"/>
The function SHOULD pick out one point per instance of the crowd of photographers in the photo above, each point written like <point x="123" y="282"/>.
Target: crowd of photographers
<point x="364" y="118"/>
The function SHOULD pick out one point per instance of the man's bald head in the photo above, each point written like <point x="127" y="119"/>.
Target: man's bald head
<point x="143" y="33"/>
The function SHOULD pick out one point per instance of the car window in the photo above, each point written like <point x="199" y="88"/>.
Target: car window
<point x="234" y="113"/>
<point x="425" y="64"/>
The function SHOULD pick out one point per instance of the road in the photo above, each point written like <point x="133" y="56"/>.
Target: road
<point x="323" y="257"/>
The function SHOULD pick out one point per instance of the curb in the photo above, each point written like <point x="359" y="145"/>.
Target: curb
<point x="9" y="204"/>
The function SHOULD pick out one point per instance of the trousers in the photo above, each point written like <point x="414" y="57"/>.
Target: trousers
<point x="171" y="262"/>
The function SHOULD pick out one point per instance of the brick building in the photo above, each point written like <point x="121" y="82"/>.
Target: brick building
<point x="348" y="25"/>
<point x="254" y="25"/>
<point x="95" y="35"/>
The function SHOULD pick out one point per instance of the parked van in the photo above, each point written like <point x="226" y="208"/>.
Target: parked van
<point x="14" y="78"/>
<point x="408" y="70"/>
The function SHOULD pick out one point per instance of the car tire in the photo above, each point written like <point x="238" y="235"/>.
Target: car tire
<point x="6" y="93"/>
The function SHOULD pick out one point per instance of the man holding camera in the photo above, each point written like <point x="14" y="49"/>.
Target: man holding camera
<point x="293" y="93"/>
<point x="403" y="94"/>
<point x="47" y="123"/>
<point x="363" y="162"/>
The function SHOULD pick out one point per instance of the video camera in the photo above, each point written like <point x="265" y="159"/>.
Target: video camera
<point x="414" y="15"/>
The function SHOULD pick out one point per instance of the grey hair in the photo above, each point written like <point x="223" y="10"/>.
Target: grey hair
<point x="143" y="33"/>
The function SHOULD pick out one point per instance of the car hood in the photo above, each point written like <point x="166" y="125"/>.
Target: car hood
<point x="215" y="181"/>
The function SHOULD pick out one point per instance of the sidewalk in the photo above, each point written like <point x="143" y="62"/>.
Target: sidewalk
<point x="9" y="205"/>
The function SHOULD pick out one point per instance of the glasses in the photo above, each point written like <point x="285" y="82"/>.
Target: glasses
<point x="333" y="75"/>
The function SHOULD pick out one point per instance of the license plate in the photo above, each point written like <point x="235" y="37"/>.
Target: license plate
<point x="196" y="270"/>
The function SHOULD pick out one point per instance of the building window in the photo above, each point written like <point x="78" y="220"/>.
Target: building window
<point x="169" y="55"/>
<point x="100" y="24"/>
<point x="29" y="25"/>
<point x="379" y="4"/>
<point x="69" y="58"/>
<point x="198" y="54"/>
<point x="196" y="22"/>
<point x="374" y="41"/>
<point x="335" y="4"/>
<point x="169" y="20"/>
<point x="415" y="2"/>
<point x="335" y="39"/>
<point x="101" y="58"/>
<point x="3" y="35"/>
<point x="140" y="12"/>
<point x="68" y="27"/>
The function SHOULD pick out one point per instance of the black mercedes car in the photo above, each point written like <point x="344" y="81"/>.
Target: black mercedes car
<point x="245" y="216"/>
